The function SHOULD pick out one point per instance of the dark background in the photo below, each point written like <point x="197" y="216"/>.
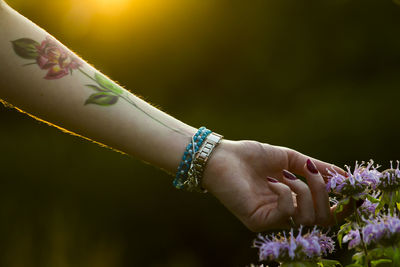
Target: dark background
<point x="322" y="77"/>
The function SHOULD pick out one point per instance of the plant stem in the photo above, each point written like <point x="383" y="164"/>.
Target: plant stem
<point x="391" y="206"/>
<point x="367" y="263"/>
<point x="396" y="256"/>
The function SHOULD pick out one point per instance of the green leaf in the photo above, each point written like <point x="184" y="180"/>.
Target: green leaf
<point x="106" y="83"/>
<point x="344" y="229"/>
<point x="395" y="255"/>
<point x="377" y="252"/>
<point x="95" y="87"/>
<point x="26" y="48"/>
<point x="354" y="265"/>
<point x="381" y="261"/>
<point x="397" y="197"/>
<point x="389" y="252"/>
<point x="102" y="99"/>
<point x="330" y="263"/>
<point x="372" y="199"/>
<point x="339" y="207"/>
<point x="358" y="257"/>
<point x="345" y="201"/>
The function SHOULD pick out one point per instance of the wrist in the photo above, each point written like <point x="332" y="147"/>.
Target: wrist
<point x="217" y="164"/>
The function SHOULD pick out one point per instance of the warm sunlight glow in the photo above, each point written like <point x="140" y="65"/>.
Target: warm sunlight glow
<point x="111" y="6"/>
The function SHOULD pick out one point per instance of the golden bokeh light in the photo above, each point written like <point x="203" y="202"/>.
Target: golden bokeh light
<point x="111" y="7"/>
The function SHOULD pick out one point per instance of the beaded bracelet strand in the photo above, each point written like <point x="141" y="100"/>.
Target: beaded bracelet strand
<point x="188" y="156"/>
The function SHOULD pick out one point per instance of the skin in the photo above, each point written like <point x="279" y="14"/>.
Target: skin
<point x="237" y="177"/>
<point x="236" y="173"/>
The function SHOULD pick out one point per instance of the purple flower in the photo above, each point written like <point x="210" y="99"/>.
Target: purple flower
<point x="309" y="246"/>
<point x="390" y="179"/>
<point x="327" y="244"/>
<point x="354" y="183"/>
<point x="354" y="237"/>
<point x="367" y="209"/>
<point x="381" y="230"/>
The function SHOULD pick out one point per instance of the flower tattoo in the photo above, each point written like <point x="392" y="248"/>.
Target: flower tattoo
<point x="49" y="55"/>
<point x="56" y="59"/>
<point x="59" y="62"/>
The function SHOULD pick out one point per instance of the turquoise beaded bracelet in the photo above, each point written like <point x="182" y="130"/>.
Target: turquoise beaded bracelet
<point x="188" y="156"/>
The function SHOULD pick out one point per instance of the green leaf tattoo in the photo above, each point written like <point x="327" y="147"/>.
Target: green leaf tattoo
<point x="102" y="99"/>
<point x="108" y="91"/>
<point x="95" y="87"/>
<point x="26" y="48"/>
<point x="107" y="83"/>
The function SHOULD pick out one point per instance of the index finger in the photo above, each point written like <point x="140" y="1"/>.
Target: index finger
<point x="296" y="161"/>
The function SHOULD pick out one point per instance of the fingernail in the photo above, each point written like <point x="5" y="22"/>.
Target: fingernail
<point x="289" y="175"/>
<point x="272" y="180"/>
<point x="311" y="167"/>
<point x="359" y="203"/>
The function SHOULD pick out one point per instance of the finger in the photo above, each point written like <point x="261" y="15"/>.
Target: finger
<point x="305" y="214"/>
<point x="279" y="217"/>
<point x="319" y="193"/>
<point x="297" y="161"/>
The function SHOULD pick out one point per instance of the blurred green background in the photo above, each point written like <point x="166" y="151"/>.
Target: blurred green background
<point x="322" y="77"/>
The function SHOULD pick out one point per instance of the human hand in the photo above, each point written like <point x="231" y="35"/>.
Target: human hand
<point x="255" y="182"/>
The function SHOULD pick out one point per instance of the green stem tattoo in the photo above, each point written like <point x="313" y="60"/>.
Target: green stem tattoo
<point x="108" y="90"/>
<point x="87" y="75"/>
<point x="59" y="62"/>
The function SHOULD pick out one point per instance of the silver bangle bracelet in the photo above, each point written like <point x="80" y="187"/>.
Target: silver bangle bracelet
<point x="196" y="170"/>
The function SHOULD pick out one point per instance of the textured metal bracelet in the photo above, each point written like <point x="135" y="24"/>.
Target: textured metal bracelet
<point x="195" y="174"/>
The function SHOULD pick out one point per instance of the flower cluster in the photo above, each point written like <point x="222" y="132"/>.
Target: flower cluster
<point x="354" y="183"/>
<point x="310" y="246"/>
<point x="367" y="209"/>
<point x="390" y="179"/>
<point x="373" y="229"/>
<point x="381" y="230"/>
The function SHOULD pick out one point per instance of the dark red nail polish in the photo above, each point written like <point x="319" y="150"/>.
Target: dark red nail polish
<point x="272" y="180"/>
<point x="311" y="167"/>
<point x="289" y="175"/>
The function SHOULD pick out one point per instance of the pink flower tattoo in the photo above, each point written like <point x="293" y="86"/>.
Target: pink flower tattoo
<point x="49" y="55"/>
<point x="57" y="60"/>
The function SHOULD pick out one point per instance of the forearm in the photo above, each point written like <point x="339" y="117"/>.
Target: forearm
<point x="63" y="90"/>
